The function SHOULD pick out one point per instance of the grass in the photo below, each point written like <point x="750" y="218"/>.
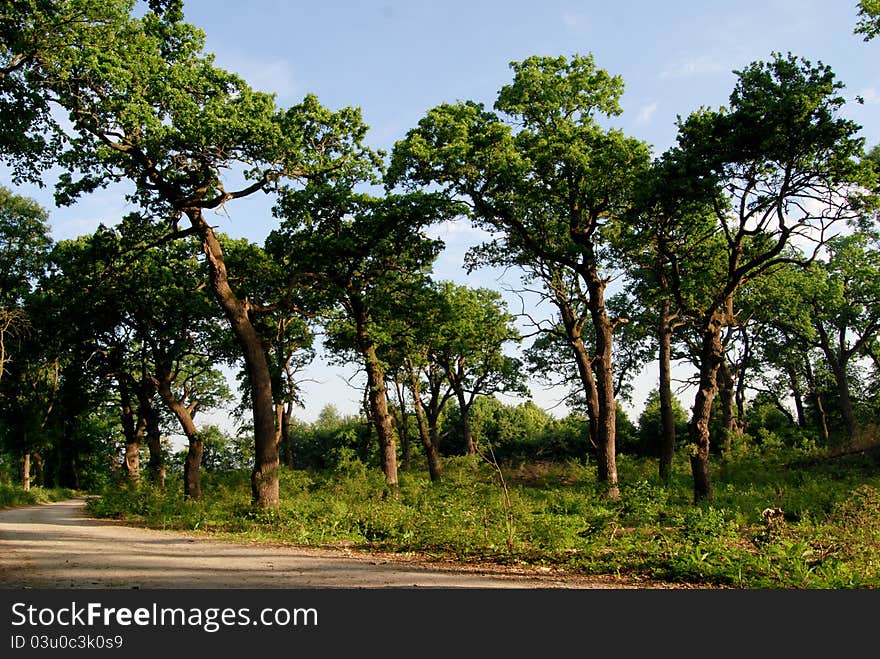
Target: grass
<point x="12" y="495"/>
<point x="776" y="521"/>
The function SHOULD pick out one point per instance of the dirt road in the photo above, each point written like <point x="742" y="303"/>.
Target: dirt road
<point x="58" y="545"/>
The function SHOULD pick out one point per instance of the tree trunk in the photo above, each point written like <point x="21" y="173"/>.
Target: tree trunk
<point x="283" y="412"/>
<point x="39" y="473"/>
<point x="584" y="367"/>
<point x="403" y="426"/>
<point x="132" y="459"/>
<point x="156" y="465"/>
<point x="433" y="457"/>
<point x="279" y="416"/>
<point x="152" y="434"/>
<point x="818" y="403"/>
<point x="192" y="481"/>
<point x="132" y="430"/>
<point x="26" y="471"/>
<point x="711" y="356"/>
<point x="603" y="368"/>
<point x="798" y="395"/>
<point x="464" y="410"/>
<point x="667" y="414"/>
<point x="838" y="370"/>
<point x="264" y="477"/>
<point x="377" y="396"/>
<point x="726" y="394"/>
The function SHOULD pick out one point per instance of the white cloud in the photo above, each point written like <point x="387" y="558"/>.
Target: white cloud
<point x="574" y="21"/>
<point x="699" y="65"/>
<point x="267" y="74"/>
<point x="646" y="113"/>
<point x="460" y="231"/>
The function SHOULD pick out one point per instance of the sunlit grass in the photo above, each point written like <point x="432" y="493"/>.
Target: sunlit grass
<point x="13" y="495"/>
<point x="824" y="531"/>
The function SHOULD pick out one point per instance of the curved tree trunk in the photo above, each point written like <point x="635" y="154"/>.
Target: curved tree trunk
<point x="711" y="356"/>
<point x="192" y="481"/>
<point x="377" y="396"/>
<point x="584" y="366"/>
<point x="431" y="454"/>
<point x="264" y="477"/>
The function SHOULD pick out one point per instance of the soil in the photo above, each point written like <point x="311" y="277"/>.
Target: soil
<point x="59" y="546"/>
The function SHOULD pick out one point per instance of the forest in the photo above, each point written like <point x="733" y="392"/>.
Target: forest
<point x="749" y="251"/>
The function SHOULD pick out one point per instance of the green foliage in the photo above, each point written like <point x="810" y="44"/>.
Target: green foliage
<point x="650" y="426"/>
<point x="773" y="525"/>
<point x="707" y="525"/>
<point x="224" y="453"/>
<point x="333" y="442"/>
<point x="869" y="19"/>
<point x="13" y="495"/>
<point x="518" y="433"/>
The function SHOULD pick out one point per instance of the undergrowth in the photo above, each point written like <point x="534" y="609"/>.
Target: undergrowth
<point x="770" y="524"/>
<point x="13" y="495"/>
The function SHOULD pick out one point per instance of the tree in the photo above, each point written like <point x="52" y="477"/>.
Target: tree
<point x="282" y="319"/>
<point x="31" y="372"/>
<point x="360" y="255"/>
<point x="653" y="432"/>
<point x="415" y="339"/>
<point x="36" y="37"/>
<point x="869" y="19"/>
<point x="155" y="331"/>
<point x="24" y="247"/>
<point x="832" y="307"/>
<point x="149" y="107"/>
<point x="543" y="174"/>
<point x="671" y="256"/>
<point x="779" y="166"/>
<point x="471" y="350"/>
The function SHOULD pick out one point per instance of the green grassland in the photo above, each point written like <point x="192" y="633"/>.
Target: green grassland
<point x="780" y="518"/>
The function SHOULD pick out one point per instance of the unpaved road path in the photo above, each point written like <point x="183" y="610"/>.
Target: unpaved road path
<point x="58" y="545"/>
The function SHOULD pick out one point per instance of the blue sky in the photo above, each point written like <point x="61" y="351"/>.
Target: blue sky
<point x="395" y="60"/>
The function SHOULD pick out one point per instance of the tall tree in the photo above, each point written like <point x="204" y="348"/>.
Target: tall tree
<point x="542" y="173"/>
<point x="671" y="256"/>
<point x="832" y="307"/>
<point x="362" y="253"/>
<point x="471" y="350"/>
<point x="150" y="107"/>
<point x="24" y="247"/>
<point x="778" y="166"/>
<point x="414" y="341"/>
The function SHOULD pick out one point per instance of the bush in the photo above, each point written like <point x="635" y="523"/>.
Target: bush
<point x="650" y="427"/>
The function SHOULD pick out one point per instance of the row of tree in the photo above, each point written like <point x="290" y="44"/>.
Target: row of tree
<point x="749" y="247"/>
